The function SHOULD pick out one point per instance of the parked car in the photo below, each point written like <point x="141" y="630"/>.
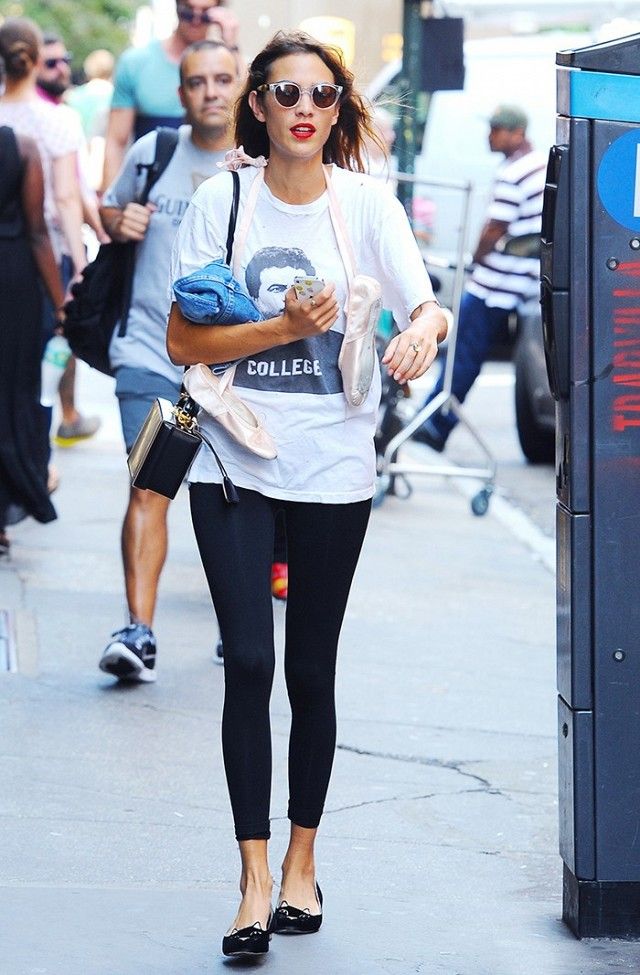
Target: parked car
<point x="535" y="406"/>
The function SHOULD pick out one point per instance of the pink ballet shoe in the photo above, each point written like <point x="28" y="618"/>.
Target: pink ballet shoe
<point x="216" y="396"/>
<point x="357" y="359"/>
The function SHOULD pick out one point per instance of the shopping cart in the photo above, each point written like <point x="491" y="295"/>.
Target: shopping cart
<point x="391" y="467"/>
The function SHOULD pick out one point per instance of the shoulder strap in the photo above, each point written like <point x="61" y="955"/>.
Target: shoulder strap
<point x="166" y="142"/>
<point x="340" y="228"/>
<point x="247" y="217"/>
<point x="233" y="215"/>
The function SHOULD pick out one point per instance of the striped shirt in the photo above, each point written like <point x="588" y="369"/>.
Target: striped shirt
<point x="501" y="280"/>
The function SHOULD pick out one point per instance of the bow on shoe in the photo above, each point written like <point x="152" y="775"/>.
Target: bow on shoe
<point x="292" y="913"/>
<point x="295" y="920"/>
<point x="253" y="940"/>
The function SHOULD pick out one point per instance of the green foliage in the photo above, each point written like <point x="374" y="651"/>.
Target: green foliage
<point x="83" y="24"/>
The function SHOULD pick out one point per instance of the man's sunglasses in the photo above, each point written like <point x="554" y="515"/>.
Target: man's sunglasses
<point x="288" y="93"/>
<point x="190" y="16"/>
<point x="54" y="62"/>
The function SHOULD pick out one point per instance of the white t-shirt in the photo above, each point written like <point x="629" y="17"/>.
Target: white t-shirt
<point x="325" y="447"/>
<point x="57" y="132"/>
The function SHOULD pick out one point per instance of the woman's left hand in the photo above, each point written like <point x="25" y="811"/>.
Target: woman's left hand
<point x="409" y="354"/>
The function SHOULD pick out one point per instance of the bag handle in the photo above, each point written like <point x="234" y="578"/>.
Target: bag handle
<point x="186" y="403"/>
<point x="247" y="217"/>
<point x="233" y="216"/>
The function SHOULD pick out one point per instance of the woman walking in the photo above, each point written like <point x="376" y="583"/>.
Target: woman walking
<point x="305" y="210"/>
<point x="25" y="253"/>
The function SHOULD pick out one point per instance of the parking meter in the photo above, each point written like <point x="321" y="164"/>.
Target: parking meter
<point x="590" y="268"/>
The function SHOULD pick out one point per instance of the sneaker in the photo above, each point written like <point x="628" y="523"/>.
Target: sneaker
<point x="280" y="580"/>
<point x="357" y="360"/>
<point x="131" y="654"/>
<point x="69" y="434"/>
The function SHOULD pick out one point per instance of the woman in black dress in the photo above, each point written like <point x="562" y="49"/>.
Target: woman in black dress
<point x="25" y="255"/>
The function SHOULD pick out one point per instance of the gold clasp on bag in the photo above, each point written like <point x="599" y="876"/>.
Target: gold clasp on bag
<point x="185" y="419"/>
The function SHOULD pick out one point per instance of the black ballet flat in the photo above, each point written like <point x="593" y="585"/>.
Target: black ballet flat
<point x="292" y="920"/>
<point x="253" y="940"/>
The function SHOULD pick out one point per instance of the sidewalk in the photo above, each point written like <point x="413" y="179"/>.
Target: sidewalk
<point x="437" y="853"/>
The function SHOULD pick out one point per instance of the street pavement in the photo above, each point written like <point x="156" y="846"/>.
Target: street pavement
<point x="438" y="849"/>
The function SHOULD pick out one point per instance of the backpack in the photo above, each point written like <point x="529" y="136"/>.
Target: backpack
<point x="102" y="297"/>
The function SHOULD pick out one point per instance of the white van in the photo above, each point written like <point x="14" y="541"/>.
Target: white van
<point x="518" y="70"/>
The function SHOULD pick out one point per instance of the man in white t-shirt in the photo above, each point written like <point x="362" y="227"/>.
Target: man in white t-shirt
<point x="499" y="282"/>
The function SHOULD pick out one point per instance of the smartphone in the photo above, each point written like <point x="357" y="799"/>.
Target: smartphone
<point x="307" y="286"/>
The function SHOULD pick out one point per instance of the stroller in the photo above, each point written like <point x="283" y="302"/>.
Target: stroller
<point x="391" y="418"/>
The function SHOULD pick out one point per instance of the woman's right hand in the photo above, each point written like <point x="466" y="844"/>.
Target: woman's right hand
<point x="302" y="319"/>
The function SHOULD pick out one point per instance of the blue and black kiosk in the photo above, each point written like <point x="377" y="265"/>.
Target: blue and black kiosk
<point x="591" y="321"/>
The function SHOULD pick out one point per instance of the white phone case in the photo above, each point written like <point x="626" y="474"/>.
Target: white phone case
<point x="307" y="287"/>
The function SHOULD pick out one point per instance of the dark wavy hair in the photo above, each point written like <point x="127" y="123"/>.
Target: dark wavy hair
<point x="20" y="41"/>
<point x="345" y="146"/>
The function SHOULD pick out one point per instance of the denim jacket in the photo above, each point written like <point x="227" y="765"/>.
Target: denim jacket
<point x="212" y="296"/>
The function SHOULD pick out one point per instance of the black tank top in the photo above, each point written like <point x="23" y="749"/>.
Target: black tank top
<point x="11" y="176"/>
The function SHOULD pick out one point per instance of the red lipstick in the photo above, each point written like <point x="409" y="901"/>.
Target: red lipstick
<point x="302" y="131"/>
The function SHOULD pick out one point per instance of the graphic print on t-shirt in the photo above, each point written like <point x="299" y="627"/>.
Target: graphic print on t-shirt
<point x="270" y="274"/>
<point x="305" y="366"/>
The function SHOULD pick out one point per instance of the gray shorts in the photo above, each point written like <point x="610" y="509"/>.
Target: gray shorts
<point x="136" y="390"/>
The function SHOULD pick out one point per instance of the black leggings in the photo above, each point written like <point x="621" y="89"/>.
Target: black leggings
<point x="236" y="547"/>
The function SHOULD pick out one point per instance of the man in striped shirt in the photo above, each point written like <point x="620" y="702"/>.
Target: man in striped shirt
<point x="499" y="282"/>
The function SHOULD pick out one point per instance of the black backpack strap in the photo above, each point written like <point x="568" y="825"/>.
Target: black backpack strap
<point x="166" y="142"/>
<point x="233" y="215"/>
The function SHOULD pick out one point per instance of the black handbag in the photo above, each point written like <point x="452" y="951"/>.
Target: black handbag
<point x="166" y="447"/>
<point x="103" y="297"/>
<point x="170" y="437"/>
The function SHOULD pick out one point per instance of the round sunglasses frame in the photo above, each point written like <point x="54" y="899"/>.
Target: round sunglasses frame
<point x="276" y="86"/>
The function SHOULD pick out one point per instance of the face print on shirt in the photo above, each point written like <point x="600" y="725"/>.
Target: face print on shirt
<point x="307" y="366"/>
<point x="270" y="274"/>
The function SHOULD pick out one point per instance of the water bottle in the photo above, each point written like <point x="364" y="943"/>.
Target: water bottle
<point x="54" y="362"/>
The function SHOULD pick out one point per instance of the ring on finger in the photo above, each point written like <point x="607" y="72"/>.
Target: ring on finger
<point x="313" y="302"/>
<point x="416" y="346"/>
